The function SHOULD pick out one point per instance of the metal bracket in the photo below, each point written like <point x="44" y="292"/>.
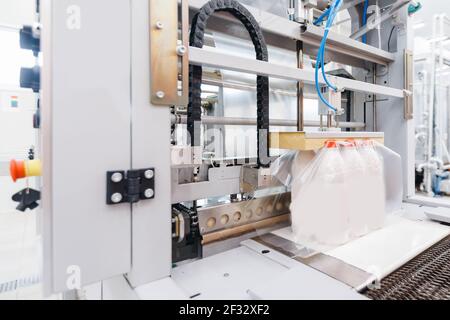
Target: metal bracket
<point x="131" y="187"/>
<point x="253" y="179"/>
<point x="373" y="23"/>
<point x="409" y="85"/>
<point x="169" y="56"/>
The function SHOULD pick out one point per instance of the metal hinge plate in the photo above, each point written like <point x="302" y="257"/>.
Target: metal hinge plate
<point x="130" y="186"/>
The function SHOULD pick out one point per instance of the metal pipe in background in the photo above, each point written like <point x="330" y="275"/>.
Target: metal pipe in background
<point x="247" y="87"/>
<point x="300" y="84"/>
<point x="374" y="104"/>
<point x="8" y="27"/>
<point x="428" y="178"/>
<point x="182" y="119"/>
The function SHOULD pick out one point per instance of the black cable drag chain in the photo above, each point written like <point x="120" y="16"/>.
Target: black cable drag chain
<point x="198" y="27"/>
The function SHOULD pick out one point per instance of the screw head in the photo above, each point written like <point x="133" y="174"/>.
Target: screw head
<point x="149" y="193"/>
<point x="160" y="94"/>
<point x="116" y="197"/>
<point x="149" y="174"/>
<point x="159" y="25"/>
<point x="181" y="50"/>
<point x="116" y="177"/>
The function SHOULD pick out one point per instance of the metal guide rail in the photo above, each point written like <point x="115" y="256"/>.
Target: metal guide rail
<point x="426" y="277"/>
<point x="225" y="61"/>
<point x="335" y="268"/>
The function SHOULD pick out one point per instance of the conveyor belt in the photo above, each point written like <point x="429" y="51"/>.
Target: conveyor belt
<point x="426" y="277"/>
<point x="198" y="27"/>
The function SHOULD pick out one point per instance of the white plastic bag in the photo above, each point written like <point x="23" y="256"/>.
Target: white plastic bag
<point x="393" y="178"/>
<point x="339" y="195"/>
<point x="282" y="168"/>
<point x="356" y="197"/>
<point x="374" y="192"/>
<point x="318" y="208"/>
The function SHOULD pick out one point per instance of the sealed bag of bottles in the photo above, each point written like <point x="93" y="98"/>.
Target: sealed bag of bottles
<point x="338" y="193"/>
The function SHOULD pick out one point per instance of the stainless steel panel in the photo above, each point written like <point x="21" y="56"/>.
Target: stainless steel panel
<point x="331" y="266"/>
<point x="230" y="215"/>
<point x="223" y="181"/>
<point x="203" y="190"/>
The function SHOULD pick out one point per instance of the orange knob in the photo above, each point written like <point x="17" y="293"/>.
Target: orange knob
<point x="17" y="169"/>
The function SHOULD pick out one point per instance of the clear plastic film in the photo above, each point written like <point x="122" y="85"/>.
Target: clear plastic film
<point x="339" y="193"/>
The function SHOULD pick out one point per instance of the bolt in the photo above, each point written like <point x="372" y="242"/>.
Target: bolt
<point x="159" y="25"/>
<point x="160" y="94"/>
<point x="116" y="197"/>
<point x="149" y="174"/>
<point x="181" y="50"/>
<point x="149" y="193"/>
<point x="116" y="177"/>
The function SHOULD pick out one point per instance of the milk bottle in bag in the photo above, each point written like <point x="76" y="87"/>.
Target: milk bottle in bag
<point x="375" y="185"/>
<point x="356" y="189"/>
<point x="319" y="207"/>
<point x="303" y="214"/>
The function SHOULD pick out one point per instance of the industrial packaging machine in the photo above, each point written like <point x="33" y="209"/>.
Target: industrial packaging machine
<point x="160" y="121"/>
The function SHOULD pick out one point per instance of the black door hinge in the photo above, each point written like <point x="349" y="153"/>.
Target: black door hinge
<point x="130" y="186"/>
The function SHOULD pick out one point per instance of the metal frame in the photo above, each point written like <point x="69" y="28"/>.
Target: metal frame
<point x="213" y="59"/>
<point x="344" y="45"/>
<point x="222" y="181"/>
<point x="271" y="24"/>
<point x="393" y="10"/>
<point x="149" y="222"/>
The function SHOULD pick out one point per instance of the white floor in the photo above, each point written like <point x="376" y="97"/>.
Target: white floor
<point x="19" y="256"/>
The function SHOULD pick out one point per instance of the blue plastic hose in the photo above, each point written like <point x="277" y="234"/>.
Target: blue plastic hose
<point x="324" y="40"/>
<point x="323" y="16"/>
<point x="364" y="22"/>
<point x="332" y="11"/>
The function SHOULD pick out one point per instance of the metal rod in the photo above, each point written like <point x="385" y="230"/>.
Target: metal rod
<point x="300" y="104"/>
<point x="8" y="27"/>
<point x="182" y="119"/>
<point x="329" y="120"/>
<point x="249" y="87"/>
<point x="374" y="103"/>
